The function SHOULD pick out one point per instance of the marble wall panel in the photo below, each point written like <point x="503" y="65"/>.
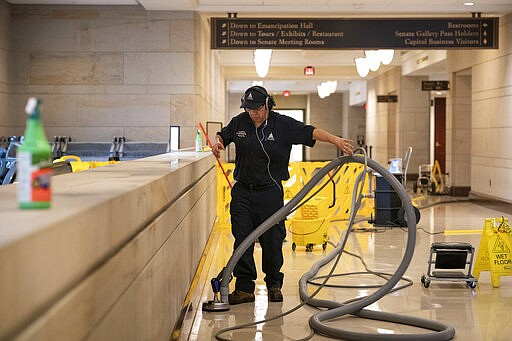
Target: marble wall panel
<point x="187" y="136"/>
<point x="45" y="35"/>
<point x="182" y="109"/>
<point x="459" y="174"/>
<point x="181" y="36"/>
<point x="124" y="35"/>
<point x="123" y="110"/>
<point x="176" y="89"/>
<point x="4" y="109"/>
<point x="86" y="134"/>
<point x="159" y="68"/>
<point x="170" y="15"/>
<point x="125" y="29"/>
<point x="57" y="110"/>
<point x="79" y="89"/>
<point x="155" y="297"/>
<point x="480" y="177"/>
<point x="499" y="79"/>
<point x="4" y="66"/>
<point x="4" y="59"/>
<point x="19" y="68"/>
<point x="326" y="114"/>
<point x="80" y="69"/>
<point x="55" y="12"/>
<point x="481" y="145"/>
<point x="158" y="133"/>
<point x="491" y="112"/>
<point x="4" y="25"/>
<point x="487" y="143"/>
<point x="501" y="183"/>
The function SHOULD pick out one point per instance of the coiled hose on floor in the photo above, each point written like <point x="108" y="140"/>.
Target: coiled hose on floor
<point x="357" y="308"/>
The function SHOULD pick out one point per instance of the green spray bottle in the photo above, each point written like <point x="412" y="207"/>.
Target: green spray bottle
<point x="34" y="161"/>
<point x="199" y="142"/>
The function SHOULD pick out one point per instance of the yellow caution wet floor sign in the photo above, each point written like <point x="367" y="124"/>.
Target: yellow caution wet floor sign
<point x="495" y="250"/>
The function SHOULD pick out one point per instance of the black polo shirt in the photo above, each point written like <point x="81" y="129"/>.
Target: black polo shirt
<point x="272" y="140"/>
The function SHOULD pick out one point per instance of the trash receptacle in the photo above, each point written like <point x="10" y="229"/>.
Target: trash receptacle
<point x="387" y="202"/>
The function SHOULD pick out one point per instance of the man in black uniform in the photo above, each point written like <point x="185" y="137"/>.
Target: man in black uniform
<point x="263" y="140"/>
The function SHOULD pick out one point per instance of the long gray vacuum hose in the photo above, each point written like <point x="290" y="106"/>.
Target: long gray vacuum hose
<point x="336" y="310"/>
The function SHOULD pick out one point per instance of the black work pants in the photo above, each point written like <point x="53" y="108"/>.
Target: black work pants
<point x="249" y="208"/>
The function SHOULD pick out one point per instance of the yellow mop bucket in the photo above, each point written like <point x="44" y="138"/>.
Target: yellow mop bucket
<point x="309" y="224"/>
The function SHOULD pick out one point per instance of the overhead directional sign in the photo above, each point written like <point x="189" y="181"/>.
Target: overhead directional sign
<point x="358" y="33"/>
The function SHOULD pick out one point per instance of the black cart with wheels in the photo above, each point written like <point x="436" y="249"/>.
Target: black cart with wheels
<point x="445" y="259"/>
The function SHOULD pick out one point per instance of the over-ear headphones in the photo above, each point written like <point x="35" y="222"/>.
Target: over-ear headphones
<point x="269" y="100"/>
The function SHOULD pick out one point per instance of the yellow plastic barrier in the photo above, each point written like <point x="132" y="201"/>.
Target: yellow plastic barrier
<point x="341" y="186"/>
<point x="495" y="250"/>
<point x="77" y="165"/>
<point x="224" y="194"/>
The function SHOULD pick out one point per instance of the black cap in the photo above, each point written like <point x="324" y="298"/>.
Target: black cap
<point x="253" y="99"/>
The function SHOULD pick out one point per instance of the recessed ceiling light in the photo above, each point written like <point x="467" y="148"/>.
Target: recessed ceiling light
<point x="469" y="4"/>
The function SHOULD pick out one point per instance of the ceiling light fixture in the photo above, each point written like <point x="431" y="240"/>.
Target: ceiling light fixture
<point x="326" y="88"/>
<point x="362" y="66"/>
<point x="469" y="4"/>
<point x="262" y="61"/>
<point x="386" y="56"/>
<point x="372" y="61"/>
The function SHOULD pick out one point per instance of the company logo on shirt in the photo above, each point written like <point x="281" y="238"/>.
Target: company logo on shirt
<point x="241" y="133"/>
<point x="270" y="137"/>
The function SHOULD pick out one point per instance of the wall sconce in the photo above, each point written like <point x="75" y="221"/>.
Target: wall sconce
<point x="262" y="61"/>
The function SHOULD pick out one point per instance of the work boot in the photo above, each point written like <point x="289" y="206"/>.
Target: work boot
<point x="275" y="295"/>
<point x="239" y="296"/>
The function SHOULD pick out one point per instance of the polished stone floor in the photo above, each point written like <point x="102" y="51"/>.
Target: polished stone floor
<point x="482" y="313"/>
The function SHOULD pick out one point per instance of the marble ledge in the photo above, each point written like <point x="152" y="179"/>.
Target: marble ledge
<point x="76" y="194"/>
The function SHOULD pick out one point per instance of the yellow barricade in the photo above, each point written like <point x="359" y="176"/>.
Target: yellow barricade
<point x="495" y="250"/>
<point x="77" y="165"/>
<point x="337" y="192"/>
<point x="224" y="194"/>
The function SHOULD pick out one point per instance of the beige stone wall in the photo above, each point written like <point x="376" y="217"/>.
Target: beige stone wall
<point x="354" y="120"/>
<point x="4" y="61"/>
<point x="210" y="88"/>
<point x="458" y="131"/>
<point x="111" y="71"/>
<point x="414" y="122"/>
<point x="377" y="114"/>
<point x="487" y="121"/>
<point x="392" y="127"/>
<point x="325" y="113"/>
